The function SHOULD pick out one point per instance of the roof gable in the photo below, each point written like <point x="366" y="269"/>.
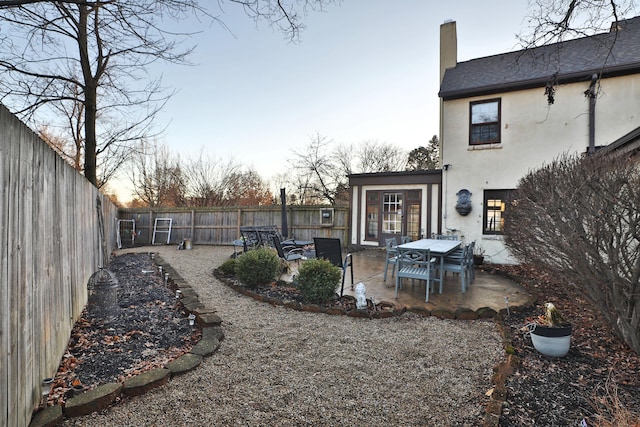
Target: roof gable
<point x="609" y="54"/>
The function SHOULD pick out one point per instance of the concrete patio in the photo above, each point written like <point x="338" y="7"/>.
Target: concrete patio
<point x="487" y="290"/>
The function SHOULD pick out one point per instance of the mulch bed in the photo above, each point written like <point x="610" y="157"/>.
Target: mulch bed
<point x="146" y="330"/>
<point x="598" y="381"/>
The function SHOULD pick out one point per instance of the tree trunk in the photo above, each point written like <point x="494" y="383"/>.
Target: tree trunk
<point x="90" y="98"/>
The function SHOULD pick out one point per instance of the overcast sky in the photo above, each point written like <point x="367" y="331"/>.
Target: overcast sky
<point x="363" y="70"/>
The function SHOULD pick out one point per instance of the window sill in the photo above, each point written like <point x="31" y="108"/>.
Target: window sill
<point x="493" y="146"/>
<point x="497" y="237"/>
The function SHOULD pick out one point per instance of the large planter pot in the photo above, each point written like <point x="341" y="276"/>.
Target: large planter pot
<point x="551" y="341"/>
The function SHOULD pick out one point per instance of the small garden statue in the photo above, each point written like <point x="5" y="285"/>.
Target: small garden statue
<point x="361" y="299"/>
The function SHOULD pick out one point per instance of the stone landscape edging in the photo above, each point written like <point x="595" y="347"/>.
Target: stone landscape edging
<point x="105" y="395"/>
<point x="385" y="309"/>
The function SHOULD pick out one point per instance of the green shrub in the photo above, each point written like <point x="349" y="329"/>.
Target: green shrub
<point x="228" y="268"/>
<point x="257" y="267"/>
<point x="318" y="280"/>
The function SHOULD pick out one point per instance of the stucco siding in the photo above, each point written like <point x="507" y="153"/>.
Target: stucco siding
<point x="532" y="133"/>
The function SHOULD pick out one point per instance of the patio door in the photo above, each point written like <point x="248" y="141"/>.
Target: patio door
<point x="392" y="215"/>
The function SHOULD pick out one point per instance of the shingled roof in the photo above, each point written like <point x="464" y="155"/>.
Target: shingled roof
<point x="607" y="54"/>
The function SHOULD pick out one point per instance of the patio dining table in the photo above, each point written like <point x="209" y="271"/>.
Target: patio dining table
<point x="439" y="249"/>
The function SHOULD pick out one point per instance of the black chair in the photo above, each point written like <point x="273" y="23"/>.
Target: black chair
<point x="331" y="250"/>
<point x="250" y="238"/>
<point x="287" y="253"/>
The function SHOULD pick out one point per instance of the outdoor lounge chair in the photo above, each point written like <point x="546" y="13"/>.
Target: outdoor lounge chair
<point x="331" y="250"/>
<point x="287" y="253"/>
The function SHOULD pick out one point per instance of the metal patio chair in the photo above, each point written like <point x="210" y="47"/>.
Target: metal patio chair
<point x="331" y="250"/>
<point x="392" y="255"/>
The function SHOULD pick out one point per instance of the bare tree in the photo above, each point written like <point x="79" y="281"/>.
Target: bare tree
<point x="96" y="54"/>
<point x="247" y="189"/>
<point x="322" y="169"/>
<point x="579" y="218"/>
<point x="61" y="145"/>
<point x="317" y="171"/>
<point x="91" y="54"/>
<point x="427" y="157"/>
<point x="374" y="156"/>
<point x="551" y="21"/>
<point x="156" y="176"/>
<point x="286" y="16"/>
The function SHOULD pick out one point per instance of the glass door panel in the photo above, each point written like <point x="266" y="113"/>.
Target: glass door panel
<point x="392" y="213"/>
<point x="413" y="221"/>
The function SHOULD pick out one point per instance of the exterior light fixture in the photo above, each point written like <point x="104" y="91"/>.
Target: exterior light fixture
<point x="192" y="319"/>
<point x="166" y="278"/>
<point x="178" y="293"/>
<point x="160" y="269"/>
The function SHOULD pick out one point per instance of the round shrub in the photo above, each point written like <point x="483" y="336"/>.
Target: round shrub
<point x="318" y="280"/>
<point x="228" y="268"/>
<point x="257" y="267"/>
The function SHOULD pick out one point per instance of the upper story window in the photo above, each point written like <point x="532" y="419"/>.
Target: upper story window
<point x="485" y="122"/>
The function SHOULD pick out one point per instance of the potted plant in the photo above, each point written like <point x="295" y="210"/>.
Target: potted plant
<point x="478" y="254"/>
<point x="550" y="333"/>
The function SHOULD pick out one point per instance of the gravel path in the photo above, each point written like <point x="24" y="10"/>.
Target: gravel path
<point x="280" y="367"/>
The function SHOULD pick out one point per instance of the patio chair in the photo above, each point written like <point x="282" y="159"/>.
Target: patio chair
<point x="392" y="255"/>
<point x="415" y="264"/>
<point x="250" y="238"/>
<point x="287" y="253"/>
<point x="459" y="265"/>
<point x="456" y="256"/>
<point x="331" y="250"/>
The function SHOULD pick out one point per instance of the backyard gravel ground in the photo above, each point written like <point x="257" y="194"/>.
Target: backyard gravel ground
<point x="281" y="367"/>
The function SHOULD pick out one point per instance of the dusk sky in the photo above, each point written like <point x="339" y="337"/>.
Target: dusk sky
<point x="362" y="70"/>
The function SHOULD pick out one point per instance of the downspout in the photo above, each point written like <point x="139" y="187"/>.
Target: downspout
<point x="591" y="93"/>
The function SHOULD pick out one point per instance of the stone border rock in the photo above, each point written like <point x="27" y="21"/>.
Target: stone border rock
<point x="386" y="309"/>
<point x="105" y="395"/>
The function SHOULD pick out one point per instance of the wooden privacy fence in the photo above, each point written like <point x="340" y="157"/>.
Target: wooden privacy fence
<point x="50" y="245"/>
<point x="221" y="226"/>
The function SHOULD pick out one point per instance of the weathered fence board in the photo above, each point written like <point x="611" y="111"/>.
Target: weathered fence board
<point x="49" y="247"/>
<point x="221" y="226"/>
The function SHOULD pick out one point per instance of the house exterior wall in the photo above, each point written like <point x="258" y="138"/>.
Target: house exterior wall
<point x="532" y="133"/>
<point x="429" y="212"/>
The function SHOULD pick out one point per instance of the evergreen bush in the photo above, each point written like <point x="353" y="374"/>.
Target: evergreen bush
<point x="318" y="280"/>
<point x="228" y="268"/>
<point x="257" y="267"/>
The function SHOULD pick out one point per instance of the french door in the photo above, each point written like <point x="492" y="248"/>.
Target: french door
<point x="392" y="214"/>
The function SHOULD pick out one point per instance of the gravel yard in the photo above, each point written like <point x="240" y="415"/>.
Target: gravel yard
<point x="280" y="367"/>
